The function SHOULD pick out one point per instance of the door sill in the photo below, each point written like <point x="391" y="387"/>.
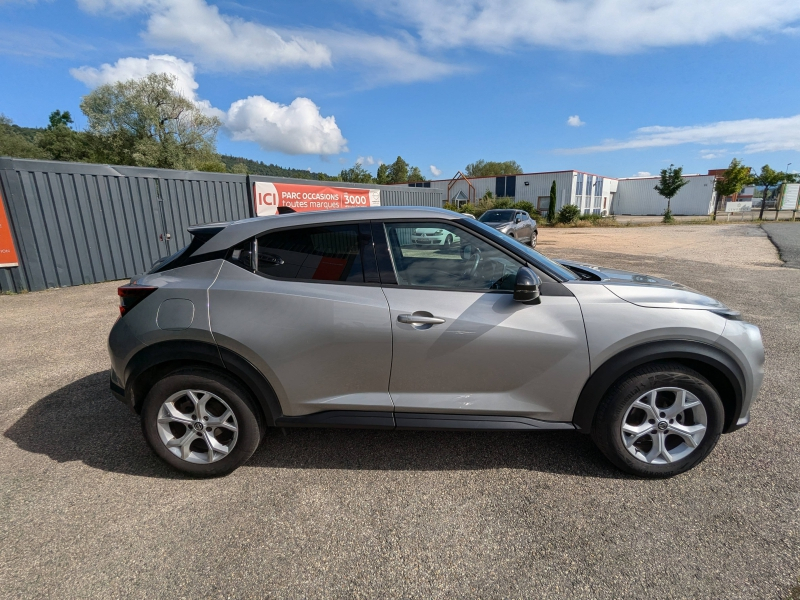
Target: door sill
<point x="362" y="419"/>
<point x="474" y="422"/>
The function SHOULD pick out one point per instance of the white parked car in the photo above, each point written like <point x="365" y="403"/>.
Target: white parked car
<point x="428" y="236"/>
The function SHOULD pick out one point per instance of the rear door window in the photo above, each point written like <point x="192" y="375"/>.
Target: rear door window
<point x="321" y="253"/>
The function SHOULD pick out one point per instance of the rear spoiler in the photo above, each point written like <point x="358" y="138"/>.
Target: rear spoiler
<point x="200" y="235"/>
<point x="207" y="231"/>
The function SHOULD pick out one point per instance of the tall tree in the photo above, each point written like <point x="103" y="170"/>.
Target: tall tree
<point x="147" y="122"/>
<point x="57" y="119"/>
<point x="382" y="176"/>
<point x="767" y="178"/>
<point x="61" y="142"/>
<point x="356" y="174"/>
<point x="736" y="176"/>
<point x="415" y="175"/>
<point x="398" y="171"/>
<point x="551" y="209"/>
<point x="671" y="183"/>
<point x="482" y="168"/>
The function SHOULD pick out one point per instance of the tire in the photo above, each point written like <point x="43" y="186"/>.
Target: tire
<point x="170" y="415"/>
<point x="534" y="239"/>
<point x="657" y="440"/>
<point x="448" y="241"/>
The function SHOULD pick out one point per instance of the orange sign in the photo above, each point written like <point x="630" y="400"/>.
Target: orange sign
<point x="8" y="255"/>
<point x="303" y="198"/>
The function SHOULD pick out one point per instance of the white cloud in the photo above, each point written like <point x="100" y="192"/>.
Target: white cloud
<point x="610" y="26"/>
<point x="755" y="135"/>
<point x="368" y="160"/>
<point x="642" y="174"/>
<point x="575" y="121"/>
<point x="221" y="42"/>
<point x="297" y="128"/>
<point x="135" y="68"/>
<point x="436" y="172"/>
<point x="711" y="154"/>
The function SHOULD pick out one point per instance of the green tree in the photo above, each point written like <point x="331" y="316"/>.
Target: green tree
<point x="767" y="178"/>
<point x="382" y="176"/>
<point x="16" y="144"/>
<point x="736" y="176"/>
<point x="415" y="175"/>
<point x="482" y="168"/>
<point x="58" y="119"/>
<point x="356" y="174"/>
<point x="61" y="142"/>
<point x="239" y="168"/>
<point x="147" y="122"/>
<point x="398" y="171"/>
<point x="671" y="183"/>
<point x="551" y="208"/>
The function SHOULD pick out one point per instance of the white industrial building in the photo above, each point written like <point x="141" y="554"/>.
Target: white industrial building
<point x="594" y="194"/>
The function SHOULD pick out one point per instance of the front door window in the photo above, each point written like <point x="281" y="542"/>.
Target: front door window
<point x="442" y="255"/>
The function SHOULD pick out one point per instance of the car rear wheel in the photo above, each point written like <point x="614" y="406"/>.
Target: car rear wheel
<point x="659" y="421"/>
<point x="534" y="237"/>
<point x="201" y="423"/>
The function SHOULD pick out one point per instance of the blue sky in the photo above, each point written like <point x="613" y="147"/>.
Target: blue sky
<point x="440" y="82"/>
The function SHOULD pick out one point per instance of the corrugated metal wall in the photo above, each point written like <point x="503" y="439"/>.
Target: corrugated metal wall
<point x="79" y="223"/>
<point x="76" y="223"/>
<point x="637" y="197"/>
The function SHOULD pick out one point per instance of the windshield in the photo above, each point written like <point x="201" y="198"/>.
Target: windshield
<point x="497" y="216"/>
<point x="534" y="257"/>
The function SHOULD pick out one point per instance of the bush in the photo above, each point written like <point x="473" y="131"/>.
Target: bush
<point x="593" y="219"/>
<point x="526" y="206"/>
<point x="504" y="203"/>
<point x="450" y="206"/>
<point x="668" y="218"/>
<point x="568" y="214"/>
<point x="467" y="208"/>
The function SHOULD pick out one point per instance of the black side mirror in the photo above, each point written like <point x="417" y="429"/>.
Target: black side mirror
<point x="526" y="286"/>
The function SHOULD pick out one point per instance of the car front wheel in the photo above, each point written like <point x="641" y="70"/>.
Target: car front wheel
<point x="659" y="421"/>
<point x="201" y="423"/>
<point x="534" y="237"/>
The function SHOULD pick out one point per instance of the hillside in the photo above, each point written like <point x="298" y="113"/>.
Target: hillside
<point x="259" y="168"/>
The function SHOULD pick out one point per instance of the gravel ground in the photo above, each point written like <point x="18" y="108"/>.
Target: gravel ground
<point x="89" y="511"/>
<point x="786" y="236"/>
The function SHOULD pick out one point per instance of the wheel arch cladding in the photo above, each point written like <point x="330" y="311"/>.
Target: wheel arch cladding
<point x="720" y="369"/>
<point x="154" y="362"/>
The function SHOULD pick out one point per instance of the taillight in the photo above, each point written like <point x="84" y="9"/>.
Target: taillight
<point x="130" y="295"/>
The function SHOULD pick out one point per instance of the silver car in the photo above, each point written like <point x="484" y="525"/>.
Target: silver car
<point x="338" y="319"/>
<point x="514" y="223"/>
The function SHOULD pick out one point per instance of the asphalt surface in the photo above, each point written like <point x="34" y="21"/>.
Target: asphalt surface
<point x="786" y="236"/>
<point x="88" y="511"/>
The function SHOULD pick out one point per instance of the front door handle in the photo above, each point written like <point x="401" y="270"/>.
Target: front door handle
<point x="418" y="319"/>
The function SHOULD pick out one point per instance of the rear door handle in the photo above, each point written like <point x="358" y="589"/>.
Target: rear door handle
<point x="416" y="319"/>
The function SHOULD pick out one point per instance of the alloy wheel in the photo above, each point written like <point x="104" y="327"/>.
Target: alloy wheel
<point x="197" y="426"/>
<point x="664" y="425"/>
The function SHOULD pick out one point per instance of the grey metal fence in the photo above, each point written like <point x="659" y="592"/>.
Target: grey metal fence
<point x="76" y="223"/>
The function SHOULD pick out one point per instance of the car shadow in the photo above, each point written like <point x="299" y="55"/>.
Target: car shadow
<point x="83" y="422"/>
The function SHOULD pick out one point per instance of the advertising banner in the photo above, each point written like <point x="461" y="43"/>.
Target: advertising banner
<point x="790" y="194"/>
<point x="738" y="206"/>
<point x="303" y="198"/>
<point x="8" y="255"/>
